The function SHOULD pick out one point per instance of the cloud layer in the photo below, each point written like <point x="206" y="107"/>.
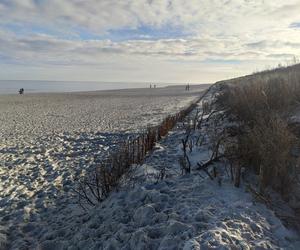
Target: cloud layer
<point x="126" y="38"/>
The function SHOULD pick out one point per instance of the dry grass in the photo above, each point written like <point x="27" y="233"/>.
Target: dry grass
<point x="272" y="142"/>
<point x="263" y="140"/>
<point x="266" y="149"/>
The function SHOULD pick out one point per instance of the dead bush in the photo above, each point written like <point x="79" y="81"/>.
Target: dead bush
<point x="263" y="140"/>
<point x="278" y="93"/>
<point x="244" y="101"/>
<point x="264" y="147"/>
<point x="270" y="143"/>
<point x="206" y="107"/>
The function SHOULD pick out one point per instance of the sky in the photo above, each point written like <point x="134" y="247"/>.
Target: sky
<point x="195" y="41"/>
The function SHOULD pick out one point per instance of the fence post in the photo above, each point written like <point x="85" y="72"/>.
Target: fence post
<point x="133" y="150"/>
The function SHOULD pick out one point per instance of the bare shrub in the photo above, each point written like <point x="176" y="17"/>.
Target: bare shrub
<point x="275" y="90"/>
<point x="216" y="155"/>
<point x="266" y="149"/>
<point x="161" y="175"/>
<point x="195" y="120"/>
<point x="117" y="169"/>
<point x="206" y="107"/>
<point x="270" y="143"/>
<point x="263" y="141"/>
<point x="278" y="93"/>
<point x="191" y="145"/>
<point x="185" y="164"/>
<point x="244" y="101"/>
<point x="184" y="161"/>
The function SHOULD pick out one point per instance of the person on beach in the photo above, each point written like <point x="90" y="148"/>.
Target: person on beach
<point x="21" y="91"/>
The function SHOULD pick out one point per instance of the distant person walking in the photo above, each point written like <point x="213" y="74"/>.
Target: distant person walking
<point x="21" y="91"/>
<point x="187" y="87"/>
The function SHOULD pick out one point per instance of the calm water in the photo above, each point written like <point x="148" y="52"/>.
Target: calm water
<point x="12" y="87"/>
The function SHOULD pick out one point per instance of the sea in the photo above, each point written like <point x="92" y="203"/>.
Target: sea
<point x="29" y="86"/>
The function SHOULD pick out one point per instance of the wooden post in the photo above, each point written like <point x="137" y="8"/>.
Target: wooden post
<point x="237" y="176"/>
<point x="132" y="142"/>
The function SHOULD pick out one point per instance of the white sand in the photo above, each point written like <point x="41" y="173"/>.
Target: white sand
<point x="46" y="140"/>
<point x="181" y="212"/>
<point x="105" y="111"/>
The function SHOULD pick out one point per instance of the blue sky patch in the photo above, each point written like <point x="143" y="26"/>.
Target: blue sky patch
<point x="295" y="25"/>
<point x="29" y="29"/>
<point x="146" y="32"/>
<point x="123" y="34"/>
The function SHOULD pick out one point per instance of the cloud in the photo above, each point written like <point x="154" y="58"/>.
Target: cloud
<point x="129" y="34"/>
<point x="212" y="17"/>
<point x="45" y="49"/>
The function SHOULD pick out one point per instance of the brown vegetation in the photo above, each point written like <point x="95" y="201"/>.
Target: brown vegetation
<point x="262" y="140"/>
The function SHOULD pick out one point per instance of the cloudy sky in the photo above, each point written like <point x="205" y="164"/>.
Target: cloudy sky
<point x="145" y="40"/>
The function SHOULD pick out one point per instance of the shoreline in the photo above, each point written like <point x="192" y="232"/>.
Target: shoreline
<point x="102" y="90"/>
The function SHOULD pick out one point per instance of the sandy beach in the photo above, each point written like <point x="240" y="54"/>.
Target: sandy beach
<point x="47" y="140"/>
<point x="34" y="115"/>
